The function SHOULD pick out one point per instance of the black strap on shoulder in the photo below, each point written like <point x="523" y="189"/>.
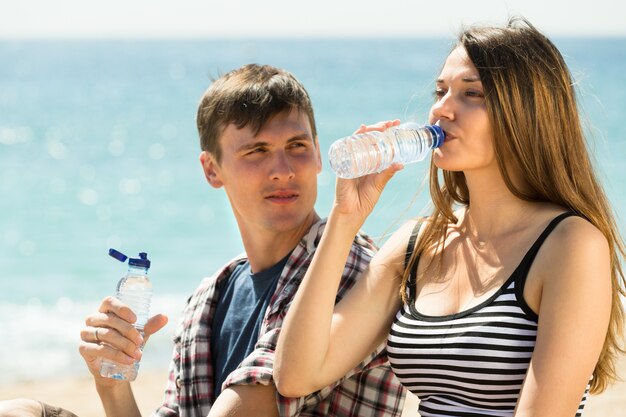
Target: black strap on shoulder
<point x="528" y="259"/>
<point x="409" y="252"/>
<point x="411" y="247"/>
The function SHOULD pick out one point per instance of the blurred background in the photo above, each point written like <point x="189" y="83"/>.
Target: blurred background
<point x="99" y="149"/>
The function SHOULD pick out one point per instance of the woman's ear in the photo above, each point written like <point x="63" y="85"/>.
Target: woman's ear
<point x="211" y="169"/>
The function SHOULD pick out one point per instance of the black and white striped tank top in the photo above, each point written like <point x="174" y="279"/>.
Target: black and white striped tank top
<point x="473" y="363"/>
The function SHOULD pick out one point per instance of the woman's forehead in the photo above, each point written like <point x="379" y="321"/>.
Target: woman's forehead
<point x="458" y="66"/>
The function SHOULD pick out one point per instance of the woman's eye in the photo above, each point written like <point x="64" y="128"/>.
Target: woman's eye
<point x="438" y="93"/>
<point x="473" y="93"/>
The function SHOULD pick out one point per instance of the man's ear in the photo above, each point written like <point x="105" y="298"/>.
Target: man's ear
<point x="211" y="169"/>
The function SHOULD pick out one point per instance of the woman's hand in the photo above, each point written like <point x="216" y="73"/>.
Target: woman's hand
<point x="355" y="198"/>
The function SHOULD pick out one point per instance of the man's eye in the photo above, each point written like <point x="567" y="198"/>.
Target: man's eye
<point x="299" y="146"/>
<point x="256" y="151"/>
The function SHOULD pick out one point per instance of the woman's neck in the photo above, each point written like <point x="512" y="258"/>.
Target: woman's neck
<point x="494" y="210"/>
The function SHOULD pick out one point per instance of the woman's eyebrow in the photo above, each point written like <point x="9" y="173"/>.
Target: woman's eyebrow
<point x="471" y="79"/>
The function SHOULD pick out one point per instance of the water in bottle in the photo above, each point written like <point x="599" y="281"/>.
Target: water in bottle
<point x="369" y="152"/>
<point x="134" y="290"/>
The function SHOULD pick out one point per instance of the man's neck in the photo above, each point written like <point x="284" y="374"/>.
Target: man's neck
<point x="265" y="248"/>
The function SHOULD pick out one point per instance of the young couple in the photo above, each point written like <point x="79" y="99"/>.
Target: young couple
<point x="504" y="302"/>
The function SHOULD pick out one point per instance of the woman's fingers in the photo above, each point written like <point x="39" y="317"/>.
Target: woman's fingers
<point x="384" y="176"/>
<point x="380" y="126"/>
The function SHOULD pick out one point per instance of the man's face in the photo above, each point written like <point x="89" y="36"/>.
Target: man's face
<point x="270" y="178"/>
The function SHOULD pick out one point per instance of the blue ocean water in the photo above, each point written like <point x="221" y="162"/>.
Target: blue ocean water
<point x="98" y="149"/>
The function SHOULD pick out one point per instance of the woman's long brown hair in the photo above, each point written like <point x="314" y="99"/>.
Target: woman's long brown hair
<point x="537" y="132"/>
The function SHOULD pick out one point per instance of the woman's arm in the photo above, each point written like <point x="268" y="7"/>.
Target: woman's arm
<point x="318" y="344"/>
<point x="574" y="306"/>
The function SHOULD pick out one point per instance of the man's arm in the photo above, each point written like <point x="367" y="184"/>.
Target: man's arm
<point x="118" y="400"/>
<point x="246" y="401"/>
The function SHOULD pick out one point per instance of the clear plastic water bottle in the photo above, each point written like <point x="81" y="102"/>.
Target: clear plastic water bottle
<point x="369" y="152"/>
<point x="134" y="290"/>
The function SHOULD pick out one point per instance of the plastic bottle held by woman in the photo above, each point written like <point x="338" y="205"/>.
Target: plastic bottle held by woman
<point x="134" y="290"/>
<point x="369" y="152"/>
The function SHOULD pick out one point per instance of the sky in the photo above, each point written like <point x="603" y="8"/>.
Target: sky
<point x="85" y="19"/>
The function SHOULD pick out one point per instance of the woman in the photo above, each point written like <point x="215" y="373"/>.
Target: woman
<point x="506" y="300"/>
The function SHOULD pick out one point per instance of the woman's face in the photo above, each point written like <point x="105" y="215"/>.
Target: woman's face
<point x="461" y="112"/>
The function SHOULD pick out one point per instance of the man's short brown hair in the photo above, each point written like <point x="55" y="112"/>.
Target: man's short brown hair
<point x="249" y="96"/>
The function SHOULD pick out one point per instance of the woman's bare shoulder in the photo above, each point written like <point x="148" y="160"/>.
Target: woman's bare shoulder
<point x="575" y="251"/>
<point x="577" y="235"/>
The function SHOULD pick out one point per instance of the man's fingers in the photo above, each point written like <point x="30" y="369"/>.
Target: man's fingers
<point x="93" y="355"/>
<point x="91" y="335"/>
<point x="111" y="304"/>
<point x="113" y="339"/>
<point x="155" y="324"/>
<point x="112" y="321"/>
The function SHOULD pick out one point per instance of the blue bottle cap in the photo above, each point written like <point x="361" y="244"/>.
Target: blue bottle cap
<point x="142" y="261"/>
<point x="439" y="135"/>
<point x="118" y="255"/>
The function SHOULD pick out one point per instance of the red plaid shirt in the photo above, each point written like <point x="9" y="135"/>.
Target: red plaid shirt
<point x="371" y="389"/>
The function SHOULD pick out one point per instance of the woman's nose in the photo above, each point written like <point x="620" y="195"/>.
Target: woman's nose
<point x="443" y="108"/>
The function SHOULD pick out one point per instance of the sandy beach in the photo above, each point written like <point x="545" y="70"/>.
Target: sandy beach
<point x="78" y="395"/>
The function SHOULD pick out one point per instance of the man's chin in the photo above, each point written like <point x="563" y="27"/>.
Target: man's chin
<point x="291" y="222"/>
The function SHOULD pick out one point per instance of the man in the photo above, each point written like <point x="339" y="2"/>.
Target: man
<point x="259" y="143"/>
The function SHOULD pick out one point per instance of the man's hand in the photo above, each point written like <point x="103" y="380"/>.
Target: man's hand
<point x="246" y="401"/>
<point x="109" y="334"/>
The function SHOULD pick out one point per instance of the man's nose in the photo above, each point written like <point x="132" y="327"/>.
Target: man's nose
<point x="282" y="167"/>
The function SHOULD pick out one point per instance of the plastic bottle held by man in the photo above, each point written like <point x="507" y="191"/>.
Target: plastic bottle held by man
<point x="134" y="290"/>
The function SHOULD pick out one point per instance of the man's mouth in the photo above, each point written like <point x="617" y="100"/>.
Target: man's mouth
<point x="282" y="197"/>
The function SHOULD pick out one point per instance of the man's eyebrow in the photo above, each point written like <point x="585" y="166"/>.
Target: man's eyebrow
<point x="302" y="136"/>
<point x="261" y="144"/>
